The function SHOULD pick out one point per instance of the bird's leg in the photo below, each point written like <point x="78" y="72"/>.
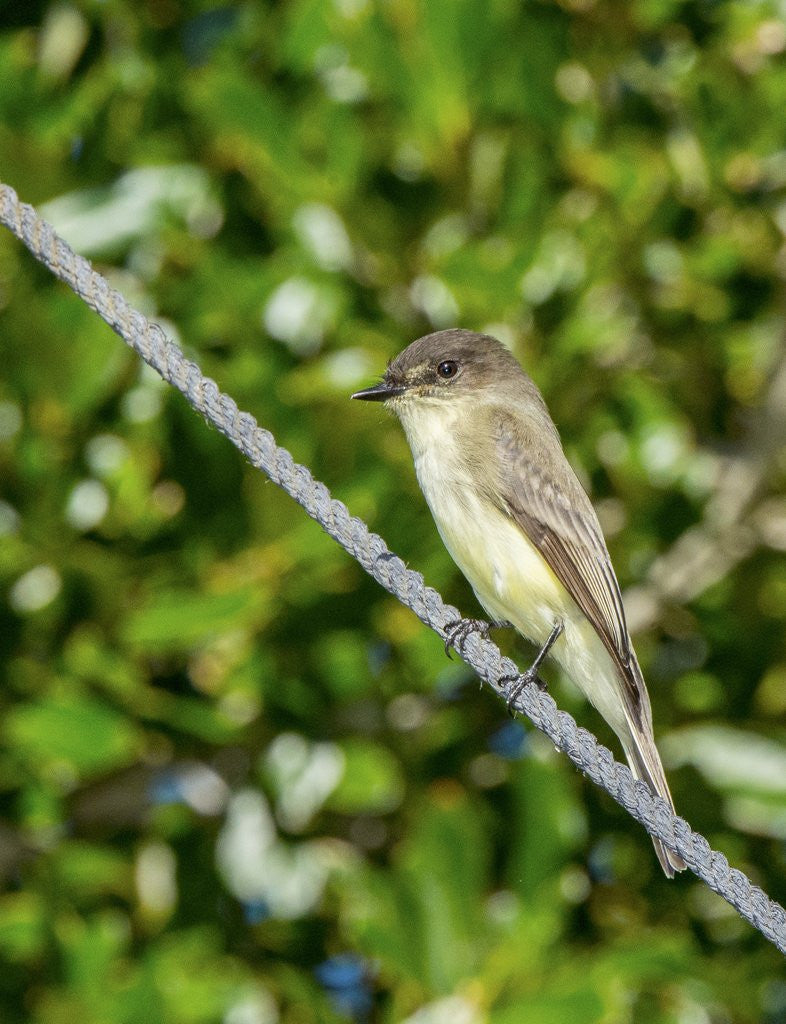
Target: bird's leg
<point x="513" y="685"/>
<point x="457" y="631"/>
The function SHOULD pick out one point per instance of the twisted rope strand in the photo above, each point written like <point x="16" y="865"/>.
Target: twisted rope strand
<point x="260" y="448"/>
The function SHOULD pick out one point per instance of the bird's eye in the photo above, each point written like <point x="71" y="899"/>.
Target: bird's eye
<point x="447" y="369"/>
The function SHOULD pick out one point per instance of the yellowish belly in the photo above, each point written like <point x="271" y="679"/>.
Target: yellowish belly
<point x="514" y="584"/>
<point x="510" y="577"/>
<point x="508" y="574"/>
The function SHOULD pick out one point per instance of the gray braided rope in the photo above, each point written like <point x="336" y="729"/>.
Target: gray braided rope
<point x="261" y="450"/>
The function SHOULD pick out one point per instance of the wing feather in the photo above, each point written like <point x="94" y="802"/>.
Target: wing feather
<point x="558" y="517"/>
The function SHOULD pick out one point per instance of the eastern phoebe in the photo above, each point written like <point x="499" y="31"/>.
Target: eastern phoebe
<point x="520" y="526"/>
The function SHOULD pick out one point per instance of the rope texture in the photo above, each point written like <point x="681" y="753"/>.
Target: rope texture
<point x="261" y="450"/>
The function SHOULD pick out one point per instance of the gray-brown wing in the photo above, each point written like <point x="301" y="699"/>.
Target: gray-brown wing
<point x="554" y="511"/>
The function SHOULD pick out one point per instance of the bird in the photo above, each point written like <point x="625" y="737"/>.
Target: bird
<point x="518" y="523"/>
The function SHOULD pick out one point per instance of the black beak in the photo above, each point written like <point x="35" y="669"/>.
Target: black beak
<point x="380" y="392"/>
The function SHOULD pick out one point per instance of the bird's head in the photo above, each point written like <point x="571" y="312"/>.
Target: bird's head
<point x="443" y="366"/>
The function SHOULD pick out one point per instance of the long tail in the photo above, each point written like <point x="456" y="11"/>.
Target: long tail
<point x="645" y="763"/>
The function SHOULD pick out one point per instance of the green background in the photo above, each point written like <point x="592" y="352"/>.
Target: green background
<point x="238" y="782"/>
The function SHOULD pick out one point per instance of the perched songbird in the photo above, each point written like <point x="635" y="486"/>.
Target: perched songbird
<point x="520" y="526"/>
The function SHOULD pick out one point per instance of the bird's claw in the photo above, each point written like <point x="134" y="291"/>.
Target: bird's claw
<point x="456" y="632"/>
<point x="513" y="686"/>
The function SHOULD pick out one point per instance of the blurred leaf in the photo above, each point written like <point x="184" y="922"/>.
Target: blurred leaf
<point x="79" y="732"/>
<point x="548" y="824"/>
<point x="730" y="759"/>
<point x="372" y="782"/>
<point x="86" y="870"/>
<point x="581" y="1005"/>
<point x="179" y="620"/>
<point x="22" y="927"/>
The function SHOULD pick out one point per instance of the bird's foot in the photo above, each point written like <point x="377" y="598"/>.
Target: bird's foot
<point x="456" y="632"/>
<point x="512" y="686"/>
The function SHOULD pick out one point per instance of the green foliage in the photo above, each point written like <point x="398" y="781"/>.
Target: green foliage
<point x="240" y="783"/>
